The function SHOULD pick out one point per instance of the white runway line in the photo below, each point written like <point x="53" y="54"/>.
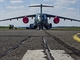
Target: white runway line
<point x="34" y="55"/>
<point x="60" y="55"/>
<point x="39" y="55"/>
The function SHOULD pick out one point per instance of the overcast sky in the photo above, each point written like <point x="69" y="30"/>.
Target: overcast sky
<point x="15" y="8"/>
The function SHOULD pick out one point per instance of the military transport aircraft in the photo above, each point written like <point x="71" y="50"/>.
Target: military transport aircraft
<point x="41" y="19"/>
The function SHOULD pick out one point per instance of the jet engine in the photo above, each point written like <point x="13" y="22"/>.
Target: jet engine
<point x="25" y="20"/>
<point x="56" y="20"/>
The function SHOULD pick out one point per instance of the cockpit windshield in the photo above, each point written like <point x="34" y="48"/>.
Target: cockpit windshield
<point x="38" y="16"/>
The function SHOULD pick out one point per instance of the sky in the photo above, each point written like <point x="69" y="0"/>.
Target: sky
<point x="15" y="8"/>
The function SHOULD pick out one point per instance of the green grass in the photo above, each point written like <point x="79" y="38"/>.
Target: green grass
<point x="7" y="28"/>
<point x="69" y="28"/>
<point x="3" y="28"/>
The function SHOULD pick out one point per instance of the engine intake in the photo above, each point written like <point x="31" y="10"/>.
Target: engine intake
<point x="56" y="20"/>
<point x="25" y="20"/>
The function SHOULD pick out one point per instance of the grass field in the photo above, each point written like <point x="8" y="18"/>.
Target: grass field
<point x="7" y="28"/>
<point x="3" y="28"/>
<point x="68" y="28"/>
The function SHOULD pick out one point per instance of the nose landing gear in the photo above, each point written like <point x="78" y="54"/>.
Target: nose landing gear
<point x="40" y="27"/>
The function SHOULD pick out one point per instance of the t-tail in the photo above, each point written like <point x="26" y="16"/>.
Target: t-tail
<point x="41" y="7"/>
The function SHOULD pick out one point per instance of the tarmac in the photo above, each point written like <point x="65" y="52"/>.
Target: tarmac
<point x="15" y="43"/>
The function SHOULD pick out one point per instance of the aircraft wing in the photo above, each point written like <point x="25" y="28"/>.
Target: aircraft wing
<point x="33" y="15"/>
<point x="65" y="18"/>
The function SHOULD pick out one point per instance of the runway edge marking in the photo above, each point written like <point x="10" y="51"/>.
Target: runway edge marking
<point x="75" y="37"/>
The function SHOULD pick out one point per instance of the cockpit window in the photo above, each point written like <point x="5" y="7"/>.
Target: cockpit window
<point x="43" y="16"/>
<point x="37" y="16"/>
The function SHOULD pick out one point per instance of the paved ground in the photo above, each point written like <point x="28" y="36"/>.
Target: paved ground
<point x="11" y="38"/>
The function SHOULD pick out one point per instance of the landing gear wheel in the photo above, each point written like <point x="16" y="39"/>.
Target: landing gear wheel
<point x="40" y="27"/>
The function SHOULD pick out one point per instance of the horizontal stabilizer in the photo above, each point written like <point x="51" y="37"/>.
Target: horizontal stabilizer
<point x="41" y="6"/>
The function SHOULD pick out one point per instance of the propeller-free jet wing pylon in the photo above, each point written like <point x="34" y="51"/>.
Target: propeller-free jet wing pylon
<point x="41" y="19"/>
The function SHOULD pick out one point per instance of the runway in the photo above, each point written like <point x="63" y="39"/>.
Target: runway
<point x="15" y="43"/>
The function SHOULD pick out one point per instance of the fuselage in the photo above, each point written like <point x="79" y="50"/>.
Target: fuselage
<point x="40" y="21"/>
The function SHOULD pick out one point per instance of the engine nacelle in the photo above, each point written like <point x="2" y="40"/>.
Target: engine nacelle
<point x="25" y="20"/>
<point x="56" y="20"/>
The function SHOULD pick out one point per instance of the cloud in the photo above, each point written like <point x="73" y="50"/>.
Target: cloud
<point x="65" y="2"/>
<point x="15" y="7"/>
<point x="2" y="1"/>
<point x="65" y="5"/>
<point x="2" y="11"/>
<point x="48" y="0"/>
<point x="16" y="1"/>
<point x="62" y="4"/>
<point x="71" y="9"/>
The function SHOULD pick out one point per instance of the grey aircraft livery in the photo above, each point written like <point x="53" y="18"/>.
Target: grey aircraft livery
<point x="41" y="19"/>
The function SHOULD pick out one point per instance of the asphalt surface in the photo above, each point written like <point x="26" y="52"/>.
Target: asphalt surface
<point x="15" y="43"/>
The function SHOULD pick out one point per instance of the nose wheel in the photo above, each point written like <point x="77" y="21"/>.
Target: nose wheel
<point x="40" y="27"/>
